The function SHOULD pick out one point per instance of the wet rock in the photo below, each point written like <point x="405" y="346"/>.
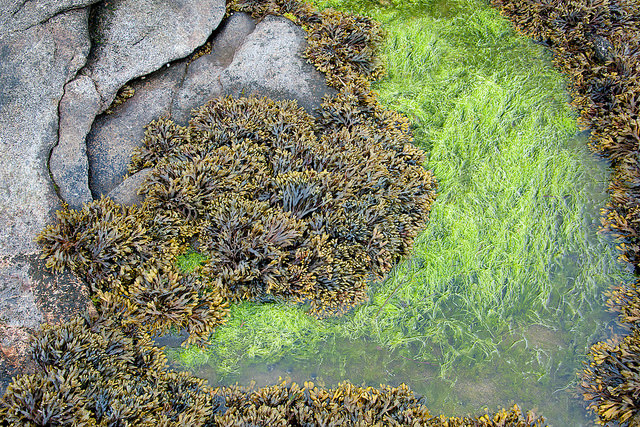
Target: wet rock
<point x="603" y="48"/>
<point x="127" y="192"/>
<point x="171" y="340"/>
<point x="20" y="15"/>
<point x="113" y="137"/>
<point x="270" y="63"/>
<point x="68" y="164"/>
<point x="133" y="38"/>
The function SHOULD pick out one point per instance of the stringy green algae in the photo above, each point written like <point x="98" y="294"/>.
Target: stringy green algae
<point x="506" y="282"/>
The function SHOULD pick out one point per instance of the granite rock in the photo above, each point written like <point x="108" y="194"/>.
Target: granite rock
<point x="127" y="192"/>
<point x="34" y="67"/>
<point x="20" y="15"/>
<point x="132" y="38"/>
<point x="270" y="63"/>
<point x="68" y="164"/>
<point x="231" y="35"/>
<point x="35" y="64"/>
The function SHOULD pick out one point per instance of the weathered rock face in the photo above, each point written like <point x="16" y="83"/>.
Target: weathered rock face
<point x="136" y="37"/>
<point x="231" y="36"/>
<point x="127" y="193"/>
<point x="202" y="81"/>
<point x="19" y="15"/>
<point x="270" y="63"/>
<point x="69" y="165"/>
<point x="131" y="38"/>
<point x="114" y="136"/>
<point x="34" y="67"/>
<point x="35" y="64"/>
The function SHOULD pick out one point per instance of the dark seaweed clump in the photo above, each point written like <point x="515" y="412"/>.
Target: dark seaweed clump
<point x="282" y="206"/>
<point x="597" y="44"/>
<point x="95" y="370"/>
<point x="103" y="370"/>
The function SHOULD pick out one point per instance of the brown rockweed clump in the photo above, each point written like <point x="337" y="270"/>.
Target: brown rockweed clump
<point x="597" y="44"/>
<point x="281" y="205"/>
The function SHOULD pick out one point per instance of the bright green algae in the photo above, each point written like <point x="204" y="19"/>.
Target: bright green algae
<point x="503" y="292"/>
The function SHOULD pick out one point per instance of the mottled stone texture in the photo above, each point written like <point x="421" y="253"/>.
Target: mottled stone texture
<point x="270" y="63"/>
<point x="131" y="38"/>
<point x="68" y="164"/>
<point x="19" y="15"/>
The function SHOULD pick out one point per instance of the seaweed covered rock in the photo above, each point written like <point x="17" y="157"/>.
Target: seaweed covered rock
<point x="281" y="204"/>
<point x="343" y="46"/>
<point x="127" y="255"/>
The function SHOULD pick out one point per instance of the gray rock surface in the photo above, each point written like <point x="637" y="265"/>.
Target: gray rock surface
<point x="267" y="61"/>
<point x="19" y="15"/>
<point x="127" y="192"/>
<point x="270" y="63"/>
<point x="34" y="67"/>
<point x="133" y="38"/>
<point x="231" y="36"/>
<point x="114" y="136"/>
<point x="30" y="295"/>
<point x="202" y="81"/>
<point x="68" y="163"/>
